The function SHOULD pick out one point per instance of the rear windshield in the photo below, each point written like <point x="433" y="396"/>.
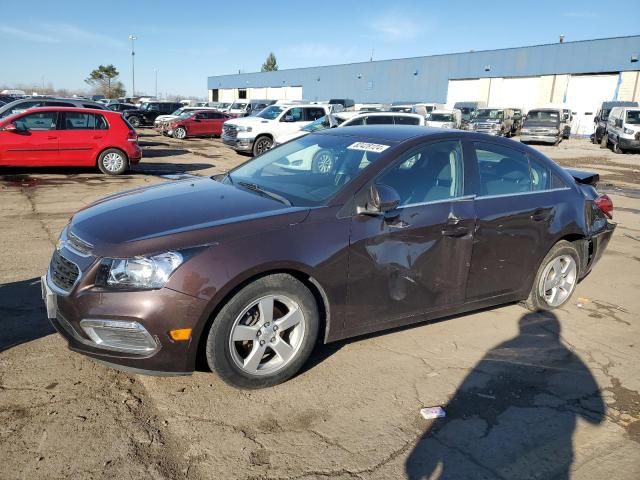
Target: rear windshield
<point x="441" y="117"/>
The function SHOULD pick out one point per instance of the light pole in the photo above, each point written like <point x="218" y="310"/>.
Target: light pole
<point x="133" y="38"/>
<point x="156" y="72"/>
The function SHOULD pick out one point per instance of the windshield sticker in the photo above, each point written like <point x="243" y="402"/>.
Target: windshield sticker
<point x="368" y="147"/>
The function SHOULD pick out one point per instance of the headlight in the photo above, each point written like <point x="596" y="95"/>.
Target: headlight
<point x="138" y="272"/>
<point x="243" y="128"/>
<point x="628" y="131"/>
<point x="525" y="131"/>
<point x="496" y="126"/>
<point x="554" y="131"/>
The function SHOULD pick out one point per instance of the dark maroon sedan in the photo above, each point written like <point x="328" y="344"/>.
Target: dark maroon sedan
<point x="252" y="267"/>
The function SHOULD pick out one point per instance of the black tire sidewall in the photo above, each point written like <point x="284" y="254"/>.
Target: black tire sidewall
<point x="217" y="351"/>
<point x="124" y="168"/>
<point x="135" y="122"/>
<point x="535" y="301"/>
<point x="258" y="140"/>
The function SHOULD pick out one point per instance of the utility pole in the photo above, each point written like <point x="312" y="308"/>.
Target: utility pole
<point x="156" y="72"/>
<point x="133" y="38"/>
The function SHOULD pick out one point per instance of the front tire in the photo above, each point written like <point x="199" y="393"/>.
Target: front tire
<point x="556" y="279"/>
<point x="180" y="133"/>
<point x="113" y="162"/>
<point x="135" y="122"/>
<point x="616" y="148"/>
<point x="264" y="334"/>
<point x="261" y="145"/>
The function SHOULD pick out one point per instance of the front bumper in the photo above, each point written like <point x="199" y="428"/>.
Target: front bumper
<point x="240" y="144"/>
<point x="628" y="144"/>
<point x="539" y="138"/>
<point x="155" y="311"/>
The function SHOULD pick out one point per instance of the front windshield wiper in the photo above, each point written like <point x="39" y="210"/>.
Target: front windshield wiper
<point x="258" y="189"/>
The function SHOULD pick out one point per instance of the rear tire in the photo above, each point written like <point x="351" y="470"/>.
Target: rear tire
<point x="113" y="162"/>
<point x="135" y="122"/>
<point x="264" y="334"/>
<point x="604" y="141"/>
<point x="556" y="278"/>
<point x="615" y="147"/>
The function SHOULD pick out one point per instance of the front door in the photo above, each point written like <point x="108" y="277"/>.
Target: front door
<point x="35" y="145"/>
<point x="415" y="259"/>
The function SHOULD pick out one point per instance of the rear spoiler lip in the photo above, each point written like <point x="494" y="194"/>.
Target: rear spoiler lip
<point x="584" y="178"/>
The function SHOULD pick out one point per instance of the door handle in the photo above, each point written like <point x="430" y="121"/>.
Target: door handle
<point x="52" y="138"/>
<point x="97" y="137"/>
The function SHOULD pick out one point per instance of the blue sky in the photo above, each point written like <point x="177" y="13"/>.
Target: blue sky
<point x="187" y="41"/>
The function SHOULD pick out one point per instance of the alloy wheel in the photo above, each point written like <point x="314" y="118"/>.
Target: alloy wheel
<point x="180" y="133"/>
<point x="558" y="280"/>
<point x="324" y="163"/>
<point x="263" y="145"/>
<point x="267" y="335"/>
<point x="113" y="162"/>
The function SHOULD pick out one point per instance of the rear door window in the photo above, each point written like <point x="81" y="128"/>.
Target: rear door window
<point x="83" y="121"/>
<point x="313" y="114"/>
<point x="407" y="121"/>
<point x="502" y="170"/>
<point x="380" y="120"/>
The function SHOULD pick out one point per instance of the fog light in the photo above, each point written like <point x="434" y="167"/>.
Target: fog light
<point x="180" y="334"/>
<point x="121" y="336"/>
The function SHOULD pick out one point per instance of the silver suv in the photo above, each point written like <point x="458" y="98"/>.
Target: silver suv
<point x="23" y="104"/>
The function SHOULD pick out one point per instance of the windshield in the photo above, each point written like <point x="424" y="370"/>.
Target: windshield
<point x="239" y="106"/>
<point x="489" y="113"/>
<point x="441" y="117"/>
<point x="309" y="170"/>
<point x="543" y="116"/>
<point x="145" y="106"/>
<point x="178" y="111"/>
<point x="186" y="114"/>
<point x="223" y="105"/>
<point x="633" y="117"/>
<point x="270" y="113"/>
<point x="403" y="109"/>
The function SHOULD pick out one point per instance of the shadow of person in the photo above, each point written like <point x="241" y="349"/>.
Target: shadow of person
<point x="22" y="313"/>
<point x="514" y="415"/>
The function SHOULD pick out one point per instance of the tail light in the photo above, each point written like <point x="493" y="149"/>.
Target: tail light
<point x="604" y="203"/>
<point x="132" y="136"/>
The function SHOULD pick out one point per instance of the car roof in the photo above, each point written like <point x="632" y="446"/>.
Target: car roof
<point x="388" y="133"/>
<point x="63" y="109"/>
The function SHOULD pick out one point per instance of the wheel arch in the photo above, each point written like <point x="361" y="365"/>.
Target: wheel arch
<point x="308" y="280"/>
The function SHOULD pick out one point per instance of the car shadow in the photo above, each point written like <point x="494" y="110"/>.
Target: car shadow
<point x="514" y="414"/>
<point x="23" y="315"/>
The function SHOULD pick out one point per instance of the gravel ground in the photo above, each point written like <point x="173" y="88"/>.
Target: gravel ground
<point x="354" y="411"/>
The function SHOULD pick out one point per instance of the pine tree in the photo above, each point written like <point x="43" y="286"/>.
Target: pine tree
<point x="270" y="64"/>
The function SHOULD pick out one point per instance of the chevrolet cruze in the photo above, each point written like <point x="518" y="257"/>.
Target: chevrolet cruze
<point x="253" y="267"/>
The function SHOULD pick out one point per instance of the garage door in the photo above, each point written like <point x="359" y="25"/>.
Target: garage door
<point x="520" y="92"/>
<point x="463" y="91"/>
<point x="585" y="94"/>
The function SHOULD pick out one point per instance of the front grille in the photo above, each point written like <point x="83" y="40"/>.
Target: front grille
<point x="230" y="131"/>
<point x="64" y="273"/>
<point x="78" y="244"/>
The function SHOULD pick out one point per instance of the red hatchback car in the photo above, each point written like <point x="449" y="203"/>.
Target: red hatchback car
<point x="70" y="137"/>
<point x="202" y="123"/>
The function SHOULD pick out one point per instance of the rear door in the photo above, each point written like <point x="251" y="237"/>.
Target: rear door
<point x="81" y="136"/>
<point x="515" y="206"/>
<point x="36" y="146"/>
<point x="415" y="259"/>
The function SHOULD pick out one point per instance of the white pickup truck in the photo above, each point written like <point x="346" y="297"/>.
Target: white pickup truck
<point x="258" y="134"/>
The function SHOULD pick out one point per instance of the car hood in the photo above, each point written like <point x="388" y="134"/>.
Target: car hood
<point x="529" y="124"/>
<point x="177" y="215"/>
<point x="166" y="117"/>
<point x="248" y="121"/>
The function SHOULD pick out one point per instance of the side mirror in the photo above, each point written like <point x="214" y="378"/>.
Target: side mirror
<point x="287" y="118"/>
<point x="382" y="199"/>
<point x="16" y="128"/>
